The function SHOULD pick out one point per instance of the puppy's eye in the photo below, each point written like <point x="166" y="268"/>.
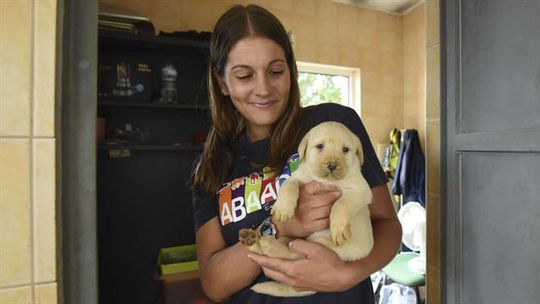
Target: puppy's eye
<point x="319" y="146"/>
<point x="345" y="149"/>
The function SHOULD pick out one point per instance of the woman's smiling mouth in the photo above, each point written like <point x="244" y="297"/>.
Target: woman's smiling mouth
<point x="262" y="105"/>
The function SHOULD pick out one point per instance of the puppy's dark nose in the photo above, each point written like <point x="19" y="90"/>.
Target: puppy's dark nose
<point x="331" y="166"/>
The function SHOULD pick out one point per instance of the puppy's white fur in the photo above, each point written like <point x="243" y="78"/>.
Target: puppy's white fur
<point x="330" y="154"/>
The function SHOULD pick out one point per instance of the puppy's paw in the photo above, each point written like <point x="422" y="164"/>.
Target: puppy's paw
<point x="340" y="231"/>
<point x="283" y="210"/>
<point x="248" y="237"/>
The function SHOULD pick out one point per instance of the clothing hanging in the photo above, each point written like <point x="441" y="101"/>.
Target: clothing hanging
<point x="391" y="154"/>
<point x="409" y="176"/>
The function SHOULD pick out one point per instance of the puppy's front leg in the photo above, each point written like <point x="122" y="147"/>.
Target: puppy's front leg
<point x="285" y="205"/>
<point x="340" y="215"/>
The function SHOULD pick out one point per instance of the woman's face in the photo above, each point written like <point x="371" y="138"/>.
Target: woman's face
<point x="257" y="79"/>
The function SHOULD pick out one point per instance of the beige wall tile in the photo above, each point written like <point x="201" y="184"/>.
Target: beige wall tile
<point x="433" y="22"/>
<point x="46" y="294"/>
<point x="327" y="32"/>
<point x="44" y="210"/>
<point x="326" y="10"/>
<point x="389" y="21"/>
<point x="15" y="221"/>
<point x="391" y="61"/>
<point x="304" y="51"/>
<point x="326" y="53"/>
<point x="44" y="67"/>
<point x="367" y="37"/>
<point x="160" y="13"/>
<point x="433" y="75"/>
<point x="286" y="5"/>
<point x="348" y="13"/>
<point x="391" y="41"/>
<point x="433" y="254"/>
<point x="370" y="83"/>
<point x="18" y="295"/>
<point x="414" y="71"/>
<point x="304" y="28"/>
<point x="370" y="60"/>
<point x="433" y="161"/>
<point x="392" y="84"/>
<point x="378" y="128"/>
<point x="348" y="33"/>
<point x="433" y="156"/>
<point x="349" y="56"/>
<point x="15" y="67"/>
<point x="305" y="7"/>
<point x="378" y="108"/>
<point x="367" y="17"/>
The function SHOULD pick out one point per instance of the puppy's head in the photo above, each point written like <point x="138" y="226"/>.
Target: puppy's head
<point x="331" y="150"/>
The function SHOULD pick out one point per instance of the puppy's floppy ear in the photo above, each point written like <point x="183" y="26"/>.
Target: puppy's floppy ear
<point x="359" y="149"/>
<point x="302" y="147"/>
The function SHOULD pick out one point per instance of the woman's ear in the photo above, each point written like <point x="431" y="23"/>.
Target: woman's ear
<point x="302" y="147"/>
<point x="222" y="84"/>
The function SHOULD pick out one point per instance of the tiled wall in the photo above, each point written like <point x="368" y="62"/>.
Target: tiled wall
<point x="27" y="152"/>
<point x="433" y="160"/>
<point x="414" y="71"/>
<point x="325" y="32"/>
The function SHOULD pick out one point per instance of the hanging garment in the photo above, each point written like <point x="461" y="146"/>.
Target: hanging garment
<point x="391" y="154"/>
<point x="409" y="178"/>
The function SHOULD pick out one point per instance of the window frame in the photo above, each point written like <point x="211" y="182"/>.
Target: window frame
<point x="353" y="75"/>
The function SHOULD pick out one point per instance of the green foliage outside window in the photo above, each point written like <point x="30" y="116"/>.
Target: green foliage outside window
<point x="320" y="88"/>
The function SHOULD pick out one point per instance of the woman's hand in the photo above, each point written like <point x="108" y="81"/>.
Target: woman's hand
<point x="320" y="270"/>
<point x="323" y="270"/>
<point x="312" y="212"/>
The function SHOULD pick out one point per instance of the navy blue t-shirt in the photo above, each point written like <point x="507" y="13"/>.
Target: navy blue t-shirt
<point x="245" y="200"/>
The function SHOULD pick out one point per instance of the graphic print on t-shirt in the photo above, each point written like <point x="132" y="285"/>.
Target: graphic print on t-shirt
<point x="248" y="194"/>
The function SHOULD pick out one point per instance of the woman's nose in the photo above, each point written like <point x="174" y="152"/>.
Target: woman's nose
<point x="263" y="86"/>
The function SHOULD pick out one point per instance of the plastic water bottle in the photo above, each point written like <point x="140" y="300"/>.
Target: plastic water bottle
<point x="168" y="84"/>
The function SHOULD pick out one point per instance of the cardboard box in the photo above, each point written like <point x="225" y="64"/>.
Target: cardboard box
<point x="182" y="288"/>
<point x="178" y="259"/>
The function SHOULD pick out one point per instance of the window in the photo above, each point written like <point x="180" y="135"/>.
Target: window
<point x="320" y="83"/>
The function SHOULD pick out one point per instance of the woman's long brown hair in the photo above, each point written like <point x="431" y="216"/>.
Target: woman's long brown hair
<point x="227" y="123"/>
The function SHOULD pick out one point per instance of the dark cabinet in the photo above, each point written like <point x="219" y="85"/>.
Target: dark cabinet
<point x="145" y="160"/>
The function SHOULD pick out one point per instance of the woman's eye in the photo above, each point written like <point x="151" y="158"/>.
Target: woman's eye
<point x="243" y="77"/>
<point x="319" y="146"/>
<point x="276" y="73"/>
<point x="345" y="149"/>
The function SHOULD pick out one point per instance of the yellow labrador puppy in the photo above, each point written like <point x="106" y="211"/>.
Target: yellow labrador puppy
<point x="330" y="154"/>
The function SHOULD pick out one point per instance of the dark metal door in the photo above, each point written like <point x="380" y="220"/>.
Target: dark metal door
<point x="491" y="151"/>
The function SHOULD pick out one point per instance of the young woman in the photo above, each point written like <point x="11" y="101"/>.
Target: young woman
<point x="257" y="125"/>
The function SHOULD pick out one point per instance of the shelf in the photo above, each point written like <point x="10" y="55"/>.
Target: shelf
<point x="147" y="41"/>
<point x="153" y="105"/>
<point x="182" y="147"/>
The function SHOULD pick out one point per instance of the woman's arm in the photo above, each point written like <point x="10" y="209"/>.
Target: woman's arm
<point x="322" y="270"/>
<point x="223" y="270"/>
<point x="226" y="270"/>
<point x="387" y="234"/>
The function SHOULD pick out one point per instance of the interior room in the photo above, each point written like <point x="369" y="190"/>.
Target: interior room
<point x="388" y="44"/>
<point x="138" y="202"/>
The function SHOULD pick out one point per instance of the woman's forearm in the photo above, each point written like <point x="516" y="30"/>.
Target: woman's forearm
<point x="227" y="272"/>
<point x="387" y="239"/>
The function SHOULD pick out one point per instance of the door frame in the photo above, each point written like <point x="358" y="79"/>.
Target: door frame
<point x="76" y="146"/>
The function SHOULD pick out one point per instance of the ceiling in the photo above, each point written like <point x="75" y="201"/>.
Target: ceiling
<point x="392" y="6"/>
